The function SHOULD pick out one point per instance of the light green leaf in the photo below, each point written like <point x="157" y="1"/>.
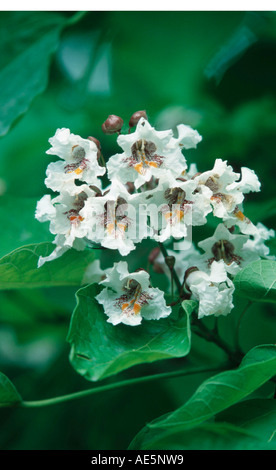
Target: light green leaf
<point x="8" y="393"/>
<point x="19" y="268"/>
<point x="213" y="396"/>
<point x="100" y="349"/>
<point x="257" y="281"/>
<point x="25" y="71"/>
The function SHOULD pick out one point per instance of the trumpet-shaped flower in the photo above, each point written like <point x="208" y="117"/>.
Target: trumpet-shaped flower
<point x="230" y="248"/>
<point x="79" y="162"/>
<point x="228" y="193"/>
<point x="214" y="290"/>
<point x="67" y="222"/>
<point x="113" y="219"/>
<point x="128" y="297"/>
<point x="149" y="153"/>
<point x="179" y="205"/>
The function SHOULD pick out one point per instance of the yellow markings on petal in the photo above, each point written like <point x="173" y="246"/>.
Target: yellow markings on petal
<point x="122" y="226"/>
<point x="154" y="164"/>
<point x="110" y="228"/>
<point x="76" y="218"/>
<point x="139" y="168"/>
<point x="179" y="214"/>
<point x="240" y="215"/>
<point x="78" y="171"/>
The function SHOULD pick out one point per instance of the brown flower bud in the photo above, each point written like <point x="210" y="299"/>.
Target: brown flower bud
<point x="136" y="117"/>
<point x="112" y="124"/>
<point x="96" y="141"/>
<point x="170" y="261"/>
<point x="187" y="273"/>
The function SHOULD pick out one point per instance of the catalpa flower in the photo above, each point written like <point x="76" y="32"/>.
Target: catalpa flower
<point x="128" y="297"/>
<point x="180" y="206"/>
<point x="64" y="213"/>
<point x="230" y="248"/>
<point x="213" y="289"/>
<point x="113" y="219"/>
<point x="228" y="193"/>
<point x="257" y="245"/>
<point x="79" y="162"/>
<point x="149" y="153"/>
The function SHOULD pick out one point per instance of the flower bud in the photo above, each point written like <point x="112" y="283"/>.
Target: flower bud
<point x="136" y="117"/>
<point x="96" y="141"/>
<point x="187" y="273"/>
<point x="112" y="124"/>
<point x="170" y="262"/>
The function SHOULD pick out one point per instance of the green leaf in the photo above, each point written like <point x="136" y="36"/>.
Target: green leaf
<point x="21" y="227"/>
<point x="100" y="349"/>
<point x="257" y="281"/>
<point x="257" y="416"/>
<point x="210" y="436"/>
<point x="32" y="38"/>
<point x="19" y="268"/>
<point x="8" y="393"/>
<point x="213" y="396"/>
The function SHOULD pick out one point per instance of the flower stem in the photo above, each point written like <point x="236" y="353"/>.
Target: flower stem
<point x="175" y="276"/>
<point x="116" y="385"/>
<point x="211" y="335"/>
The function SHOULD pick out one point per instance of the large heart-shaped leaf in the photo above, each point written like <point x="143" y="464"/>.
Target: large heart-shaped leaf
<point x="100" y="349"/>
<point x="19" y="268"/>
<point x="257" y="281"/>
<point x="213" y="396"/>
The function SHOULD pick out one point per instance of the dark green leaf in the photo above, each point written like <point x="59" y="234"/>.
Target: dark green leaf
<point x="257" y="416"/>
<point x="213" y="396"/>
<point x="100" y="349"/>
<point x="257" y="281"/>
<point x="210" y="436"/>
<point x="33" y="40"/>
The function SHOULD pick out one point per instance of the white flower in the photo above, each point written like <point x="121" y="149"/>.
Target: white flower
<point x="61" y="248"/>
<point x="113" y="219"/>
<point x="128" y="297"/>
<point x="79" y="162"/>
<point x="178" y="206"/>
<point x="213" y="290"/>
<point x="257" y="243"/>
<point x="227" y="193"/>
<point x="148" y="153"/>
<point x="64" y="213"/>
<point x="229" y="248"/>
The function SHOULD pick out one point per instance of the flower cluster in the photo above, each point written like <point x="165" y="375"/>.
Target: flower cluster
<point x="151" y="193"/>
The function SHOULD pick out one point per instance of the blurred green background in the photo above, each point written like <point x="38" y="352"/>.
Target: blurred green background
<point x="213" y="70"/>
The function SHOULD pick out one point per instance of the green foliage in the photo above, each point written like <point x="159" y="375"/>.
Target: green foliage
<point x="257" y="281"/>
<point x="213" y="71"/>
<point x="213" y="396"/>
<point x="24" y="73"/>
<point x="19" y="268"/>
<point x="8" y="393"/>
<point x="98" y="349"/>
